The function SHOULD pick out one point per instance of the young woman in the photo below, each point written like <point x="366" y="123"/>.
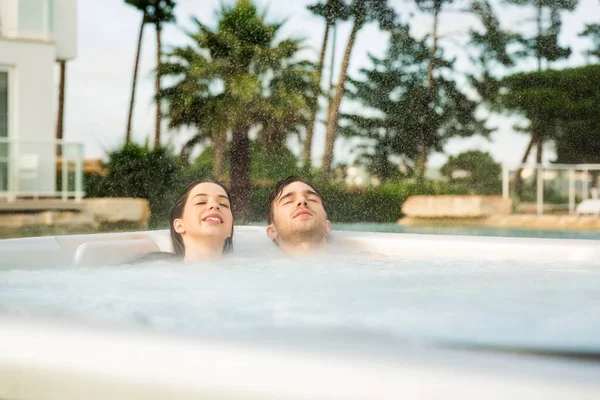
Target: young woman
<point x="201" y="224"/>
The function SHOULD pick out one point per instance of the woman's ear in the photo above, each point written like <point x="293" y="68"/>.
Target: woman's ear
<point x="178" y="226"/>
<point x="272" y="232"/>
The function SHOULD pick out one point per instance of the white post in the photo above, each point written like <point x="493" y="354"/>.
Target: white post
<point x="540" y="190"/>
<point x="585" y="188"/>
<point x="15" y="178"/>
<point x="571" y="191"/>
<point x="65" y="172"/>
<point x="79" y="173"/>
<point x="505" y="181"/>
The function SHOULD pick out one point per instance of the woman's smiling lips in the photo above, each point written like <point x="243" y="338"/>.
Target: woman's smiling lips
<point x="213" y="219"/>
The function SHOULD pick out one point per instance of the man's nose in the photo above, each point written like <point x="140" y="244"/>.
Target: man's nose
<point x="302" y="201"/>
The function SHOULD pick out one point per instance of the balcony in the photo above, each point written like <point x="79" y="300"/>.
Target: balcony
<point x="32" y="169"/>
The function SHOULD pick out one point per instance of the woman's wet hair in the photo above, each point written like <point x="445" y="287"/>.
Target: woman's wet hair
<point x="177" y="212"/>
<point x="278" y="189"/>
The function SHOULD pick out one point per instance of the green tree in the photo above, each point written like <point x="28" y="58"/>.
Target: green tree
<point x="192" y="102"/>
<point x="404" y="113"/>
<point x="567" y="100"/>
<point x="363" y="12"/>
<point x="474" y="172"/>
<point x="593" y="32"/>
<point x="332" y="11"/>
<point x="435" y="8"/>
<point x="544" y="48"/>
<point x="492" y="47"/>
<point x="242" y="77"/>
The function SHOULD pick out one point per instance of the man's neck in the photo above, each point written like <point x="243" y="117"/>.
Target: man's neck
<point x="303" y="247"/>
<point x="206" y="250"/>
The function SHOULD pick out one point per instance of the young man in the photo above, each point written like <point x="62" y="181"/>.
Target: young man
<point x="296" y="216"/>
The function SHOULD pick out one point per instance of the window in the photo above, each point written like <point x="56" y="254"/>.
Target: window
<point x="36" y="18"/>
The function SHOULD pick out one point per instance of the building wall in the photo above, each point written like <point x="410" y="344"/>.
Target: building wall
<point x="31" y="104"/>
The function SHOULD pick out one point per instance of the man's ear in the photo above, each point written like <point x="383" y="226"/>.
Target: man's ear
<point x="328" y="227"/>
<point x="272" y="232"/>
<point x="178" y="225"/>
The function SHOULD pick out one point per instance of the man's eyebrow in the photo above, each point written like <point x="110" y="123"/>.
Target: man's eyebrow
<point x="311" y="192"/>
<point x="289" y="194"/>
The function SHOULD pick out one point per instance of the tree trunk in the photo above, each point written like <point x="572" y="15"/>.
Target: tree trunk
<point x="239" y="177"/>
<point x="220" y="144"/>
<point x="421" y="164"/>
<point x="436" y="11"/>
<point x="135" y="72"/>
<point x="424" y="147"/>
<point x="539" y="35"/>
<point x="157" y="87"/>
<point x="61" y="105"/>
<point x="332" y="66"/>
<point x="334" y="108"/>
<point x="517" y="179"/>
<point x="314" y="106"/>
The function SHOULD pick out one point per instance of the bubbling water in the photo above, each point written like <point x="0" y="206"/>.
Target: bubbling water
<point x="543" y="305"/>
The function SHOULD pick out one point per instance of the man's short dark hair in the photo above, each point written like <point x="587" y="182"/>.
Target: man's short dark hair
<point x="278" y="189"/>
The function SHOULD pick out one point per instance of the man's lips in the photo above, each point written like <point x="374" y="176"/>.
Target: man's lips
<point x="213" y="218"/>
<point x="302" y="212"/>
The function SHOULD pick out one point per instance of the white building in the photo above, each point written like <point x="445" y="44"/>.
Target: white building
<point x="34" y="35"/>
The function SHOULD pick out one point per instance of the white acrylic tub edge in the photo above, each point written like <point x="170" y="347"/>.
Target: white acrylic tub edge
<point x="60" y="251"/>
<point x="39" y="360"/>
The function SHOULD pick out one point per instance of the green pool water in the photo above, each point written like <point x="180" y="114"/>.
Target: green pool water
<point x="432" y="230"/>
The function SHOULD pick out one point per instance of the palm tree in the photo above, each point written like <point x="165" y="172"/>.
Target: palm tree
<point x="240" y="77"/>
<point x="363" y="12"/>
<point x="287" y="104"/>
<point x="331" y="11"/>
<point x="141" y="5"/>
<point x="158" y="13"/>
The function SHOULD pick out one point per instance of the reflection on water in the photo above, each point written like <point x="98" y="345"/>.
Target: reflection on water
<point x="539" y="305"/>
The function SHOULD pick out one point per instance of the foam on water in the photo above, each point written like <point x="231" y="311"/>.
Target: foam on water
<point x="540" y="305"/>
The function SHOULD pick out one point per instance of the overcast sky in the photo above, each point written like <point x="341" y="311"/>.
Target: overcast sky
<point x="99" y="79"/>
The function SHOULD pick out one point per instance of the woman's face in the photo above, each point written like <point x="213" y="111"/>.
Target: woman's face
<point x="206" y="215"/>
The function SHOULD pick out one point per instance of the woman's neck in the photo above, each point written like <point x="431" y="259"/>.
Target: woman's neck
<point x="201" y="251"/>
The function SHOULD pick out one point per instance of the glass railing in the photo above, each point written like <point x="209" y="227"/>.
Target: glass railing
<point x="38" y="168"/>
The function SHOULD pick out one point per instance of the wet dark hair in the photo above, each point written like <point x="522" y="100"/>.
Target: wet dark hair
<point x="278" y="189"/>
<point x="177" y="212"/>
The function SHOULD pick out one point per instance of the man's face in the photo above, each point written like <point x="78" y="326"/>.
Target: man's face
<point x="298" y="215"/>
